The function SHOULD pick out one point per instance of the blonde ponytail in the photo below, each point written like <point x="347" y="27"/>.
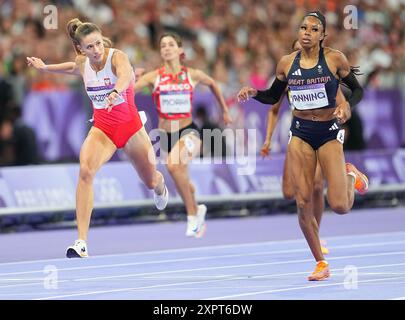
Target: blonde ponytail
<point x="77" y="30"/>
<point x="71" y="28"/>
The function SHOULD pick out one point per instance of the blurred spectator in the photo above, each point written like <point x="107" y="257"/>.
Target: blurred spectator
<point x="246" y="36"/>
<point x="17" y="78"/>
<point x="236" y="41"/>
<point x="18" y="144"/>
<point x="6" y="92"/>
<point x="372" y="78"/>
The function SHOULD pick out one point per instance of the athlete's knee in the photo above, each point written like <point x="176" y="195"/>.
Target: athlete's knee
<point x="86" y="173"/>
<point x="318" y="187"/>
<point x="174" y="168"/>
<point x="152" y="180"/>
<point x="317" y="192"/>
<point x="288" y="193"/>
<point x="303" y="201"/>
<point x="340" y="207"/>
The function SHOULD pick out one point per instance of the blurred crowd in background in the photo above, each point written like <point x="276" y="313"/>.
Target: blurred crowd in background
<point x="237" y="42"/>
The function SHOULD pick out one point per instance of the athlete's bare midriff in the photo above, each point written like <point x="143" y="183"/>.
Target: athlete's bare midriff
<point x="315" y="114"/>
<point x="173" y="125"/>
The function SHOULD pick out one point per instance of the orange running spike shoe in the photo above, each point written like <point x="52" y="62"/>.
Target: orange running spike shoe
<point x="321" y="271"/>
<point x="361" y="181"/>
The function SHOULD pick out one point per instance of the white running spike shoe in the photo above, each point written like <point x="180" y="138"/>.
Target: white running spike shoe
<point x="78" y="250"/>
<point x="161" y="200"/>
<point x="196" y="224"/>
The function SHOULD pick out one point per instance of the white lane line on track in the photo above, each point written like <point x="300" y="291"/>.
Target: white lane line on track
<point x="317" y="285"/>
<point x="209" y="268"/>
<point x="221" y="280"/>
<point x="221" y="256"/>
<point x="215" y="247"/>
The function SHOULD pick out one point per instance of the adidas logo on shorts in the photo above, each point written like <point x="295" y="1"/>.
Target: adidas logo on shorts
<point x="334" y="127"/>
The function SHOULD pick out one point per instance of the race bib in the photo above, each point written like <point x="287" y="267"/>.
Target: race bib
<point x="98" y="96"/>
<point x="308" y="97"/>
<point x="175" y="102"/>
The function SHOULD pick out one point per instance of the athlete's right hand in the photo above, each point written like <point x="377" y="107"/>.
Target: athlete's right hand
<point x="36" y="63"/>
<point x="245" y="93"/>
<point x="343" y="112"/>
<point x="264" y="151"/>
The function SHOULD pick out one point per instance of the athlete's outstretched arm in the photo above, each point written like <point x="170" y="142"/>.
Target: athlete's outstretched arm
<point x="146" y="80"/>
<point x="65" y="67"/>
<point x="199" y="76"/>
<point x="273" y="94"/>
<point x="272" y="118"/>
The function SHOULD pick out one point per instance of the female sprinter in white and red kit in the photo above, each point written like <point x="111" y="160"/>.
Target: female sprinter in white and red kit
<point x="109" y="79"/>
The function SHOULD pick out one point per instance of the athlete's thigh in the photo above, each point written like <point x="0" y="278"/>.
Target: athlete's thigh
<point x="302" y="165"/>
<point x="332" y="161"/>
<point x="318" y="183"/>
<point x="140" y="151"/>
<point x="97" y="149"/>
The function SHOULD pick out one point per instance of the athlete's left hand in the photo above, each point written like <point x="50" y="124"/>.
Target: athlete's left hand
<point x="110" y="100"/>
<point x="343" y="112"/>
<point x="265" y="150"/>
